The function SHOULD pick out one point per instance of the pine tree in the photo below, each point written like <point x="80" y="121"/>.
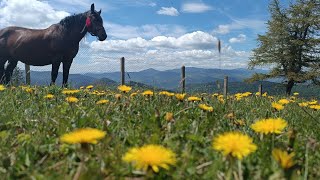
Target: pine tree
<point x="291" y="45"/>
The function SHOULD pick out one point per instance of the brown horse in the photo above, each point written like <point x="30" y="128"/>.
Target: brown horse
<point x="57" y="44"/>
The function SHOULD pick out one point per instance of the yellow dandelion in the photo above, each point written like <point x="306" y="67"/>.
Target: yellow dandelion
<point x="153" y="156"/>
<point x="89" y="87"/>
<point x="163" y="93"/>
<point x="283" y="101"/>
<point x="265" y="94"/>
<point x="296" y="94"/>
<point x="124" y="88"/>
<point x="206" y="107"/>
<point x="194" y="98"/>
<point x="221" y="99"/>
<point x="29" y="90"/>
<point x="166" y="93"/>
<point x="277" y="106"/>
<point x="258" y="93"/>
<point x="49" y="96"/>
<point x="85" y="135"/>
<point x="283" y="158"/>
<point x="215" y="95"/>
<point x="169" y="116"/>
<point x="180" y="97"/>
<point x="102" y="101"/>
<point x="70" y="91"/>
<point x="303" y="104"/>
<point x="231" y="115"/>
<point x="72" y="99"/>
<point x="101" y="93"/>
<point x="147" y="93"/>
<point x="315" y="107"/>
<point x="235" y="144"/>
<point x="314" y="102"/>
<point x="238" y="96"/>
<point x="118" y="96"/>
<point x="266" y="126"/>
<point x="239" y="122"/>
<point x="246" y="94"/>
<point x="133" y="94"/>
<point x="81" y="87"/>
<point x="2" y="87"/>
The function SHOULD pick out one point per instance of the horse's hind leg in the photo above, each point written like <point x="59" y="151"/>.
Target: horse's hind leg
<point x="2" y="63"/>
<point x="9" y="70"/>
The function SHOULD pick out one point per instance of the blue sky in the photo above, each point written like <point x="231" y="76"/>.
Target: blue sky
<point x="162" y="34"/>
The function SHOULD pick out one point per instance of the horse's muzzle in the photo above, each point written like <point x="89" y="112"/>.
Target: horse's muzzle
<point x="102" y="37"/>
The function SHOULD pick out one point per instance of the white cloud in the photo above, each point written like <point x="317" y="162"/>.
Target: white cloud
<point x="83" y="3"/>
<point x="195" y="7"/>
<point x="136" y="3"/>
<point x="195" y="40"/>
<point x="146" y="31"/>
<point x="29" y="13"/>
<point x="169" y="11"/>
<point x="197" y="49"/>
<point x="237" y="24"/>
<point x="239" y="39"/>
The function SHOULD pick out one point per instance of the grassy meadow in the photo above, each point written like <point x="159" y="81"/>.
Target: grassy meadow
<point x="33" y="122"/>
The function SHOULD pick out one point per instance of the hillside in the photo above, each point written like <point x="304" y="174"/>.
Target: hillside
<point x="307" y="91"/>
<point x="197" y="80"/>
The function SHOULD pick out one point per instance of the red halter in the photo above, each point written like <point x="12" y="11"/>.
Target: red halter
<point x="88" y="22"/>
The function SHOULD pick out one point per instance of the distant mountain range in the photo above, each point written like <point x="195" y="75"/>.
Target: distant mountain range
<point x="168" y="79"/>
<point x="197" y="80"/>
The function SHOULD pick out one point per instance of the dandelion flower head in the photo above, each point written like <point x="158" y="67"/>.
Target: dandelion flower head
<point x="85" y="135"/>
<point x="283" y="158"/>
<point x="269" y="126"/>
<point x="235" y="144"/>
<point x="153" y="156"/>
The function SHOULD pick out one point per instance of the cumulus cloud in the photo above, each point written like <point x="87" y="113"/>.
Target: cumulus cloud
<point x="136" y="3"/>
<point x="254" y="24"/>
<point x="197" y="49"/>
<point x="239" y="39"/>
<point x="169" y="11"/>
<point x="195" y="7"/>
<point x="119" y="31"/>
<point x="39" y="15"/>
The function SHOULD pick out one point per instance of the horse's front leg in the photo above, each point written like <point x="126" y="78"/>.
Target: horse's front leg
<point x="2" y="63"/>
<point x="9" y="70"/>
<point x="54" y="72"/>
<point x="66" y="68"/>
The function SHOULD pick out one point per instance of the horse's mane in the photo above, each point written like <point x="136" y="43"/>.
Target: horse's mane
<point x="70" y="21"/>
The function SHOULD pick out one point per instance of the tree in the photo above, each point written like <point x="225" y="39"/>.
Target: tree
<point x="291" y="45"/>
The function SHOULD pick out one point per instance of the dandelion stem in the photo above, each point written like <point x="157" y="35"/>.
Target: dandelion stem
<point x="240" y="170"/>
<point x="229" y="173"/>
<point x="305" y="177"/>
<point x="78" y="173"/>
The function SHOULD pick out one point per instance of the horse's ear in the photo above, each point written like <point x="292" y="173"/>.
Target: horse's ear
<point x="92" y="7"/>
<point x="99" y="12"/>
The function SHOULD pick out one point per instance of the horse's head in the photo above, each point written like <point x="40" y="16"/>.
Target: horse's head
<point x="94" y="24"/>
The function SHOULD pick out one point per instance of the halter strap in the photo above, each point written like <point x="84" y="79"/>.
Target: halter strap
<point x="88" y="22"/>
<point x="87" y="25"/>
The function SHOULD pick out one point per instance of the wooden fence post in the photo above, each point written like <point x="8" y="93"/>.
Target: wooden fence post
<point x="122" y="71"/>
<point x="28" y="76"/>
<point x="260" y="89"/>
<point x="183" y="79"/>
<point x="225" y="86"/>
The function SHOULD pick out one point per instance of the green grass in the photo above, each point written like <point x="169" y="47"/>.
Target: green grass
<point x="30" y="127"/>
